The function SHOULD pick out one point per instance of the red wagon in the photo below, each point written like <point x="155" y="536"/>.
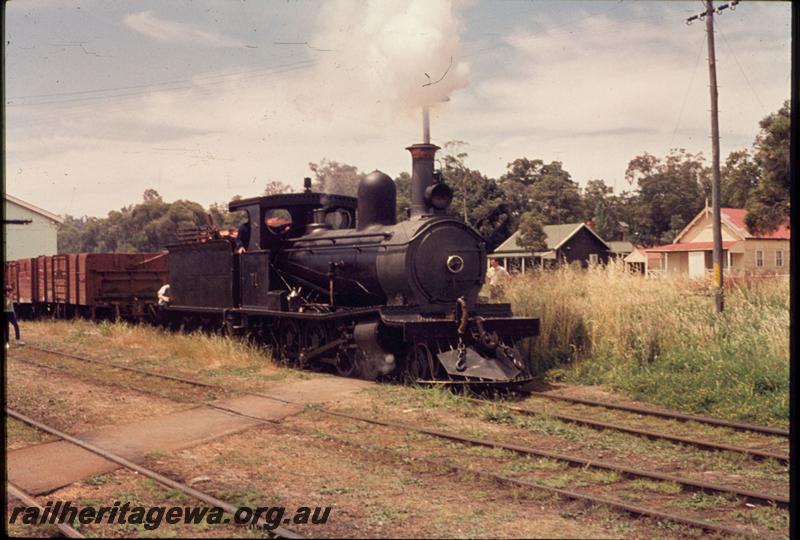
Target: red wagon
<point x="88" y="284"/>
<point x="117" y="284"/>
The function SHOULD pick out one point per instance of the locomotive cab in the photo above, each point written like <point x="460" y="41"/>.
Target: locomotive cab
<point x="302" y="212"/>
<point x="281" y="219"/>
<point x="209" y="274"/>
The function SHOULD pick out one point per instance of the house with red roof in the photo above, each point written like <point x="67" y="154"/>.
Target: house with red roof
<point x="744" y="253"/>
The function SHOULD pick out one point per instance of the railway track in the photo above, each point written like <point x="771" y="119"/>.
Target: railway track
<point x="615" y="504"/>
<point x="709" y="487"/>
<point x="598" y="424"/>
<point x="631" y="472"/>
<point x="573" y="495"/>
<point x="748" y="495"/>
<point x="278" y="532"/>
<point x="30" y="502"/>
<point x="719" y="422"/>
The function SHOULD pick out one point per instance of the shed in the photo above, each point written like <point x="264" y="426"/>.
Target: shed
<point x="638" y="260"/>
<point x="620" y="249"/>
<point x="28" y="231"/>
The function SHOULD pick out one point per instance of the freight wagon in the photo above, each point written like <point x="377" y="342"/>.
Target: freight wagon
<point x="95" y="285"/>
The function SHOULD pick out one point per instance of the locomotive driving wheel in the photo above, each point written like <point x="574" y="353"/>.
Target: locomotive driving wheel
<point x="290" y="341"/>
<point x="314" y="336"/>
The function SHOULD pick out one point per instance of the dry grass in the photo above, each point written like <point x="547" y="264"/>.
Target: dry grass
<point x="660" y="340"/>
<point x="145" y="346"/>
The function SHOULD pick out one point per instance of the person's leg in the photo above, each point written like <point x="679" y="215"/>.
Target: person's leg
<point x="13" y="318"/>
<point x="8" y="321"/>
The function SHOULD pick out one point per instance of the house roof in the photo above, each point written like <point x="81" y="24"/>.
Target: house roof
<point x="509" y="245"/>
<point x="690" y="246"/>
<point x="734" y="218"/>
<point x="636" y="255"/>
<point x="33" y="208"/>
<point x="556" y="236"/>
<point x="620" y="247"/>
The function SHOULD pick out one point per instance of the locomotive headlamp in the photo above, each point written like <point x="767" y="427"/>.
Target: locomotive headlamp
<point x="455" y="264"/>
<point x="439" y="195"/>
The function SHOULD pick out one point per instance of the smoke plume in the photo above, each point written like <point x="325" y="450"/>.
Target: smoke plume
<point x="401" y="54"/>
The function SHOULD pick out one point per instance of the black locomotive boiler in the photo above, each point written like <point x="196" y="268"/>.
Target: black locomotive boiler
<point x="331" y="279"/>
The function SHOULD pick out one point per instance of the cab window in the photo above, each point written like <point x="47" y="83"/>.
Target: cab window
<point x="339" y="219"/>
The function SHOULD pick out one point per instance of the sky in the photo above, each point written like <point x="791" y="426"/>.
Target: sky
<point x="207" y="99"/>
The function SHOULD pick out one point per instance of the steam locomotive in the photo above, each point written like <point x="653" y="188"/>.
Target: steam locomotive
<point x="336" y="280"/>
<point x="328" y="280"/>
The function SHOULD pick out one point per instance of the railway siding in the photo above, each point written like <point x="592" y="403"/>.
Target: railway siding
<point x="409" y="446"/>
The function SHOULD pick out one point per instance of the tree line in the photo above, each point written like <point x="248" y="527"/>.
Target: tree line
<point x="665" y="194"/>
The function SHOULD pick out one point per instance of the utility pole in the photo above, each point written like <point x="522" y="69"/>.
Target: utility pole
<point x="708" y="15"/>
<point x="715" y="209"/>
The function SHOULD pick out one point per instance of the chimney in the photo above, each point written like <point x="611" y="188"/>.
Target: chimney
<point x="428" y="194"/>
<point x="422" y="156"/>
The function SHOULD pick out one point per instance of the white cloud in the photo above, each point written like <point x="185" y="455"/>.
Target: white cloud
<point x="207" y="143"/>
<point x="598" y="92"/>
<point x="145" y="22"/>
<point x="593" y="95"/>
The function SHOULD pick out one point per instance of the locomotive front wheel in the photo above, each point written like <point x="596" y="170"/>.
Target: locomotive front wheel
<point x="420" y="363"/>
<point x="348" y="362"/>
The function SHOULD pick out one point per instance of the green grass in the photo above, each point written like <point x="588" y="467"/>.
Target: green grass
<point x="644" y="484"/>
<point x="702" y="501"/>
<point x="659" y="340"/>
<point x="764" y="516"/>
<point x="338" y="490"/>
<point x="158" y="454"/>
<point x="100" y="480"/>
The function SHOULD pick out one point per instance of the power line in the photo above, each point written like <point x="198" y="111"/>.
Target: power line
<point x="741" y="70"/>
<point x="688" y="89"/>
<point x="11" y="99"/>
<point x="187" y="85"/>
<point x="75" y="109"/>
<point x="154" y="84"/>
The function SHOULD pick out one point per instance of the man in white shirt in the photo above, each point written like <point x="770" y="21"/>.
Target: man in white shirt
<point x="163" y="296"/>
<point x="497" y="276"/>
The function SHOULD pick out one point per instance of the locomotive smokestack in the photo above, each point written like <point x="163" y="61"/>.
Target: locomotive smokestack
<point x="421" y="176"/>
<point x="428" y="194"/>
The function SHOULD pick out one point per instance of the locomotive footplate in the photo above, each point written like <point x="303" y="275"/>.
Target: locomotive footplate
<point x="468" y="346"/>
<point x="415" y="326"/>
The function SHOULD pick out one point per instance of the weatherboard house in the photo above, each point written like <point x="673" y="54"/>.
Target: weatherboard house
<point x="744" y="253"/>
<point x="566" y="243"/>
<point x="28" y="231"/>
